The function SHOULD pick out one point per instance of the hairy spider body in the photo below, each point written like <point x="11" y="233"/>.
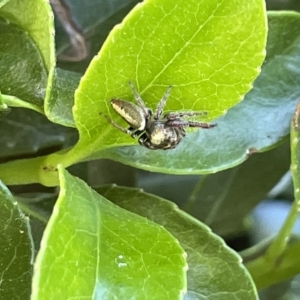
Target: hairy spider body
<point x="152" y="130"/>
<point x="158" y="135"/>
<point x="130" y="112"/>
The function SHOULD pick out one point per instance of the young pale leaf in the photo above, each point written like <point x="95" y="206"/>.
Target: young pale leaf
<point x="102" y="251"/>
<point x="215" y="271"/>
<point x="258" y="123"/>
<point x="16" y="248"/>
<point x="209" y="51"/>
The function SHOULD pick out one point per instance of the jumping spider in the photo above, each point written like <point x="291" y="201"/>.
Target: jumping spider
<point x="152" y="130"/>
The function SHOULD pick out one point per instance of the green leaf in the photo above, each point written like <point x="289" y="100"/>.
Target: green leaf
<point x="16" y="247"/>
<point x="21" y="136"/>
<point x="114" y="253"/>
<point x="204" y="50"/>
<point x="58" y="108"/>
<point x="37" y="205"/>
<point x="3" y="2"/>
<point x="211" y="263"/>
<point x="224" y="199"/>
<point x="36" y="20"/>
<point x="258" y="123"/>
<point x="22" y="71"/>
<point x="96" y="19"/>
<point x="27" y="72"/>
<point x="94" y="12"/>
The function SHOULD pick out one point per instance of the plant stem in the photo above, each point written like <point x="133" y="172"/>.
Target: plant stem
<point x="280" y="260"/>
<point x="278" y="246"/>
<point x="12" y="101"/>
<point x="265" y="274"/>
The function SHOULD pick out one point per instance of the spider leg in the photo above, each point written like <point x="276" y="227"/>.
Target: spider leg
<point x="129" y="130"/>
<point x="144" y="141"/>
<point x="162" y="103"/>
<point x="135" y="133"/>
<point x="181" y="123"/>
<point x="177" y="115"/>
<point x="138" y="99"/>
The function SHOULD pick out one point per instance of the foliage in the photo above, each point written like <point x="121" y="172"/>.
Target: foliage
<point x="117" y="242"/>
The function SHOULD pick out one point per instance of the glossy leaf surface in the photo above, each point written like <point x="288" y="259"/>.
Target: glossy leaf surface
<point x="258" y="123"/>
<point x="158" y="44"/>
<point x="103" y="251"/>
<point x="211" y="263"/>
<point x="16" y="247"/>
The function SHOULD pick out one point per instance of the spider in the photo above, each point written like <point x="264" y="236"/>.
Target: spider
<point x="152" y="130"/>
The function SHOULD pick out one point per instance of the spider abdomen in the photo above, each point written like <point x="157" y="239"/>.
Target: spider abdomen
<point x="130" y="112"/>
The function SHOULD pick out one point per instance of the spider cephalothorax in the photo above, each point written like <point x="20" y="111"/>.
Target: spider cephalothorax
<point x="152" y="130"/>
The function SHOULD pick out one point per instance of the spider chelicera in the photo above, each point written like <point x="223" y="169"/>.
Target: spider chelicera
<point x="152" y="130"/>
